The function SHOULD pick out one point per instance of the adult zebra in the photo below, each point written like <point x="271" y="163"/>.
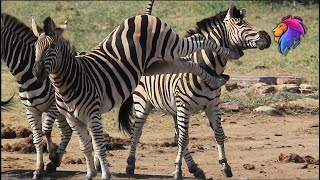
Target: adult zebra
<point x="17" y="51"/>
<point x="93" y="83"/>
<point x="183" y="94"/>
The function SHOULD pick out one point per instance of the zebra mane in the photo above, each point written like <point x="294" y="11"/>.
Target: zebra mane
<point x="210" y="21"/>
<point x="17" y="27"/>
<point x="64" y="42"/>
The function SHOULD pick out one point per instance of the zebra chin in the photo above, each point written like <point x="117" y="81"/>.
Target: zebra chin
<point x="39" y="71"/>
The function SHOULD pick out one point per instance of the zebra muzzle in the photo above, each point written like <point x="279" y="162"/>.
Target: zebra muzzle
<point x="264" y="41"/>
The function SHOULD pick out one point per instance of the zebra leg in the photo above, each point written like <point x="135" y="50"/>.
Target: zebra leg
<point x="85" y="144"/>
<point x="47" y="125"/>
<point x="34" y="119"/>
<point x="183" y="126"/>
<point x="65" y="134"/>
<point x="99" y="146"/>
<point x="192" y="166"/>
<point x="142" y="111"/>
<point x="175" y="130"/>
<point x="214" y="115"/>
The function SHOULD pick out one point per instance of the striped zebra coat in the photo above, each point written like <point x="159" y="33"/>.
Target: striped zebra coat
<point x="94" y="83"/>
<point x="17" y="51"/>
<point x="184" y="94"/>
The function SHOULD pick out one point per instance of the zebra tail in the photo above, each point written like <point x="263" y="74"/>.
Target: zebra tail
<point x="125" y="115"/>
<point x="6" y="104"/>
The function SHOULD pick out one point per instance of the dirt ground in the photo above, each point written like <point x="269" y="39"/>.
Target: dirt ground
<point x="252" y="138"/>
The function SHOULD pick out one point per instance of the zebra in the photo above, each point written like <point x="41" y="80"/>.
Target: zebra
<point x="17" y="51"/>
<point x="184" y="94"/>
<point x="90" y="84"/>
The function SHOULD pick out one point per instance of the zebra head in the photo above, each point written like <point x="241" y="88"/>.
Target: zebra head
<point x="45" y="47"/>
<point x="243" y="35"/>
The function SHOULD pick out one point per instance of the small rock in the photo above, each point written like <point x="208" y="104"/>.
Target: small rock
<point x="2" y="125"/>
<point x="231" y="106"/>
<point x="288" y="88"/>
<point x="269" y="110"/>
<point x="258" y="85"/>
<point x="268" y="80"/>
<point x="276" y="134"/>
<point x="264" y="108"/>
<point x="248" y="167"/>
<point x="314" y="125"/>
<point x="231" y="85"/>
<point x="266" y="89"/>
<point x="305" y="91"/>
<point x="305" y="103"/>
<point x="308" y="86"/>
<point x="288" y="80"/>
<point x="203" y="114"/>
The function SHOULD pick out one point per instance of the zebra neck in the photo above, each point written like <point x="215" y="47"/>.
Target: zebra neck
<point x="19" y="57"/>
<point x="210" y="60"/>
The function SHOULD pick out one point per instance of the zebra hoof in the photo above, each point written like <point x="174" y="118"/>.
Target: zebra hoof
<point x="51" y="167"/>
<point x="37" y="174"/>
<point x="199" y="174"/>
<point x="130" y="170"/>
<point x="227" y="173"/>
<point x="177" y="175"/>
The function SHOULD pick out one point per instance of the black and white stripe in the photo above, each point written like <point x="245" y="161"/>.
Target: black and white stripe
<point x="184" y="94"/>
<point x="90" y="84"/>
<point x="17" y="51"/>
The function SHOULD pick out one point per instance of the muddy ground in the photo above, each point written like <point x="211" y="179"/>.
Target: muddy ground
<point x="258" y="146"/>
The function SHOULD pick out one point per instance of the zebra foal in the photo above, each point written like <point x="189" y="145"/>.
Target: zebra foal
<point x="90" y="84"/>
<point x="18" y="53"/>
<point x="184" y="94"/>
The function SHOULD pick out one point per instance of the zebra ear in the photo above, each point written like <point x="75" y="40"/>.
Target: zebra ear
<point x="49" y="25"/>
<point x="37" y="30"/>
<point x="229" y="13"/>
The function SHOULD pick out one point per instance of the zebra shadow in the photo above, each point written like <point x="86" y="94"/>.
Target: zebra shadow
<point x="28" y="174"/>
<point x="18" y="174"/>
<point x="144" y="176"/>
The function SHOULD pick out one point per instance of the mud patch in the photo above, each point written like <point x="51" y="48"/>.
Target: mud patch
<point x="70" y="160"/>
<point x="22" y="132"/>
<point x="8" y="133"/>
<point x="24" y="146"/>
<point x="248" y="166"/>
<point x="294" y="158"/>
<point x="115" y="143"/>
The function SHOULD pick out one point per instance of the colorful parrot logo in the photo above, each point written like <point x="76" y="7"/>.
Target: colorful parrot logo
<point x="288" y="33"/>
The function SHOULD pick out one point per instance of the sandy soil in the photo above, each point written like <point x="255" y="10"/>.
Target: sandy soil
<point x="253" y="139"/>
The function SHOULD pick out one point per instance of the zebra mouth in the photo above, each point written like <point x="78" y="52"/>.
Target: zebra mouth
<point x="39" y="71"/>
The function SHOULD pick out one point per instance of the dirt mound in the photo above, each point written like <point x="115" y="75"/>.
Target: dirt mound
<point x="248" y="166"/>
<point x="22" y="132"/>
<point x="115" y="143"/>
<point x="70" y="160"/>
<point x="8" y="133"/>
<point x="24" y="146"/>
<point x="292" y="157"/>
<point x="168" y="144"/>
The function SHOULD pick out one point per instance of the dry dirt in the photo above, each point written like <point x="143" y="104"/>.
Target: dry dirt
<point x="257" y="147"/>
